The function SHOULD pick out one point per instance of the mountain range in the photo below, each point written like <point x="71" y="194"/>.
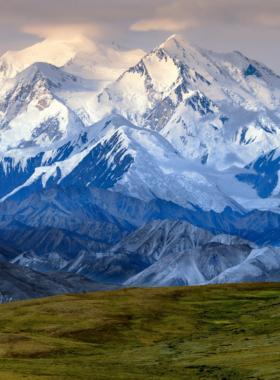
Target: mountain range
<point x="142" y="169"/>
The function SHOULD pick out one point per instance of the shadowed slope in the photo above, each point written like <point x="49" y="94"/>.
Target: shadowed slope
<point x="21" y="283"/>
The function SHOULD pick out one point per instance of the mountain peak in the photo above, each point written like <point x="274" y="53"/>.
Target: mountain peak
<point x="177" y="36"/>
<point x="179" y="39"/>
<point x="178" y="44"/>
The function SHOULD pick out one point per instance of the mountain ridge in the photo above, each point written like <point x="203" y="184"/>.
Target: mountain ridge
<point x="153" y="169"/>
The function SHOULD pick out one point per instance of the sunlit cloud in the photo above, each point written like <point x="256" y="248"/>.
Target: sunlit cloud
<point x="162" y="24"/>
<point x="268" y="19"/>
<point x="64" y="31"/>
<point x="186" y="14"/>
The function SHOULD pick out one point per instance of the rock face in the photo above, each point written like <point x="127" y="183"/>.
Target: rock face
<point x="20" y="283"/>
<point x="8" y="251"/>
<point x="186" y="255"/>
<point x="114" y="268"/>
<point x="265" y="175"/>
<point x="161" y="238"/>
<point x="52" y="261"/>
<point x="262" y="265"/>
<point x="44" y="240"/>
<point x="213" y="263"/>
<point x="160" y="253"/>
<point x="191" y="267"/>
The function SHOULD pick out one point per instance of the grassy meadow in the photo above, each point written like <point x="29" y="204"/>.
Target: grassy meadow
<point x="204" y="332"/>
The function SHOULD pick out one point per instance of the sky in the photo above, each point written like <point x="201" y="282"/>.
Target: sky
<point x="249" y="26"/>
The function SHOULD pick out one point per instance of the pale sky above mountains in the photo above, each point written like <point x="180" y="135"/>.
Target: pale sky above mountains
<point x="249" y="26"/>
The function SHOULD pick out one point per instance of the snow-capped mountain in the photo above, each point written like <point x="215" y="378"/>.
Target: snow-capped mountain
<point x="219" y="108"/>
<point x="191" y="108"/>
<point x="78" y="56"/>
<point x="136" y="168"/>
<point x="133" y="161"/>
<point x="44" y="89"/>
<point x="30" y="112"/>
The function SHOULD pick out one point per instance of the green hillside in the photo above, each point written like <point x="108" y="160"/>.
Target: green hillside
<point x="204" y="332"/>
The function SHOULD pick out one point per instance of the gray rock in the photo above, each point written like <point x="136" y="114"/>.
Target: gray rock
<point x="191" y="267"/>
<point x="21" y="283"/>
<point x="262" y="265"/>
<point x="113" y="268"/>
<point x="8" y="251"/>
<point x="160" y="238"/>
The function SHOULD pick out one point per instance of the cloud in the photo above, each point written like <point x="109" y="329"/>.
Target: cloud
<point x="186" y="14"/>
<point x="62" y="30"/>
<point x="163" y="24"/>
<point x="268" y="19"/>
<point x="147" y="15"/>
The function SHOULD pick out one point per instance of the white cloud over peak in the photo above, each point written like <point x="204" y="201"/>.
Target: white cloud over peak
<point x="62" y="30"/>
